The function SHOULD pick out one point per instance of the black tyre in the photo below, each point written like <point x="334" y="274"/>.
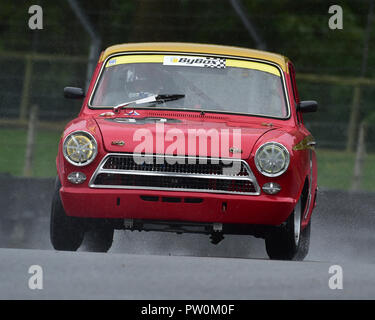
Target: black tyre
<point x="289" y="242"/>
<point x="66" y="232"/>
<point x="99" y="237"/>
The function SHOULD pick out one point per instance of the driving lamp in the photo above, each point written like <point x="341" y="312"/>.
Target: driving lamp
<point x="76" y="177"/>
<point x="271" y="188"/>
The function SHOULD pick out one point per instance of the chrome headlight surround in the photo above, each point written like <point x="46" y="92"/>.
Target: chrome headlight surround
<point x="272" y="159"/>
<point x="85" y="145"/>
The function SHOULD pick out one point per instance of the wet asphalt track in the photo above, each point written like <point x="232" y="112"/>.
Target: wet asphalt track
<point x="169" y="266"/>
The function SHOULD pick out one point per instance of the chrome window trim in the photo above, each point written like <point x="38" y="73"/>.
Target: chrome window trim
<point x="100" y="169"/>
<point x="286" y="96"/>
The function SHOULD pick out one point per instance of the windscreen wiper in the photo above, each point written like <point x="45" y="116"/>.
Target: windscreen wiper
<point x="156" y="98"/>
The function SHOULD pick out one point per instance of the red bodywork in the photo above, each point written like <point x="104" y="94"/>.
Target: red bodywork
<point x="84" y="201"/>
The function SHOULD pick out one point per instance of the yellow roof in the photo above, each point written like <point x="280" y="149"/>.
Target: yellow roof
<point x="196" y="48"/>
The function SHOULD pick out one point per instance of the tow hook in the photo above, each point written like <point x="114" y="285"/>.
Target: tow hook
<point x="217" y="234"/>
<point x="216" y="237"/>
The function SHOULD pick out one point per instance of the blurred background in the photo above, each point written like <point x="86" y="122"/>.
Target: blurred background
<point x="334" y="67"/>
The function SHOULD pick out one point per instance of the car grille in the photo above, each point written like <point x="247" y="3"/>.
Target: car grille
<point x="177" y="173"/>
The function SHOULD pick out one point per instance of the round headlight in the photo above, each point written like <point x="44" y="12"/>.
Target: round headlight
<point x="272" y="159"/>
<point x="80" y="148"/>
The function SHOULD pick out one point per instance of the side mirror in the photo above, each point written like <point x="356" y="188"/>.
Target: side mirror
<point x="307" y="106"/>
<point x="73" y="93"/>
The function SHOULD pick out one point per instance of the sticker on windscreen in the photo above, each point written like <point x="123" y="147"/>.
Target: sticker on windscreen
<point x="202" y="62"/>
<point x="111" y="62"/>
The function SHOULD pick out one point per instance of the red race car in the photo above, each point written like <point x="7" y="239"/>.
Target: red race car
<point x="180" y="137"/>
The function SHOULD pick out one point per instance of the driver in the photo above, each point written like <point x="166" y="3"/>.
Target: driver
<point x="143" y="81"/>
<point x="129" y="82"/>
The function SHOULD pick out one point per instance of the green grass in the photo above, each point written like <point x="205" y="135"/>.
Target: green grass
<point x="12" y="152"/>
<point x="335" y="168"/>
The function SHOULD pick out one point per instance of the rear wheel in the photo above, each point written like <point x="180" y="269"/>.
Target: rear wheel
<point x="66" y="232"/>
<point x="289" y="242"/>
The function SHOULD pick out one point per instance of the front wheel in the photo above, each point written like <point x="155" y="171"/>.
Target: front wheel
<point x="289" y="242"/>
<point x="66" y="232"/>
<point x="99" y="237"/>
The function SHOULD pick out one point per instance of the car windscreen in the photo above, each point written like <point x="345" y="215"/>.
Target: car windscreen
<point x="207" y="83"/>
